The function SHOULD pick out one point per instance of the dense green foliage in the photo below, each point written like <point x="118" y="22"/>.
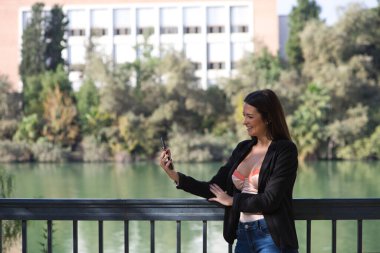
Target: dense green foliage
<point x="54" y="36"/>
<point x="33" y="44"/>
<point x="120" y="112"/>
<point x="304" y="11"/>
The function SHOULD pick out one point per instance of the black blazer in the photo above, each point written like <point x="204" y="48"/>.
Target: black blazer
<point x="274" y="199"/>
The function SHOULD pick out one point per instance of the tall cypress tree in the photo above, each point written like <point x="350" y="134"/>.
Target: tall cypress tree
<point x="299" y="16"/>
<point x="54" y="36"/>
<point x="33" y="44"/>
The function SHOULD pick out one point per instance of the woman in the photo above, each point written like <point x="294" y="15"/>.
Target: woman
<point x="256" y="183"/>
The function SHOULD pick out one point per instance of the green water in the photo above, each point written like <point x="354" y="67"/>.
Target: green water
<point x="146" y="180"/>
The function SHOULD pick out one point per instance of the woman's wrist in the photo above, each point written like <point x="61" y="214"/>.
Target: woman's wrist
<point x="230" y="201"/>
<point x="173" y="175"/>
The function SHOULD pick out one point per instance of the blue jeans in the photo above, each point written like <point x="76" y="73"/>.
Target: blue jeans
<point x="254" y="237"/>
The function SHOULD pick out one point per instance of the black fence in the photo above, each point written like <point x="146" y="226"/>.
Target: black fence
<point x="171" y="210"/>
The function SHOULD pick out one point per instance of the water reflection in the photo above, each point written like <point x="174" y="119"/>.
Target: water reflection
<point x="146" y="180"/>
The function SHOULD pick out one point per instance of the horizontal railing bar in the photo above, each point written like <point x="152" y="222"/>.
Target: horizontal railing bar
<point x="337" y="209"/>
<point x="173" y="209"/>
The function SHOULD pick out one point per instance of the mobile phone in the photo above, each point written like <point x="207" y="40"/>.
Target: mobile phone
<point x="163" y="143"/>
<point x="164" y="147"/>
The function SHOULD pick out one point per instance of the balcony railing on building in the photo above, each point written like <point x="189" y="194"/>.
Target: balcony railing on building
<point x="176" y="210"/>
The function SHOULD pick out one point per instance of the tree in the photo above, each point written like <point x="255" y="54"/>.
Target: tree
<point x="33" y="44"/>
<point x="39" y="86"/>
<point x="304" y="11"/>
<point x="341" y="58"/>
<point x="347" y="129"/>
<point x="307" y="122"/>
<point x="87" y="103"/>
<point x="60" y="115"/>
<point x="10" y="109"/>
<point x="54" y="37"/>
<point x="259" y="70"/>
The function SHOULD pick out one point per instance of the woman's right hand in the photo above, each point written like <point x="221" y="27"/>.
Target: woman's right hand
<point x="167" y="164"/>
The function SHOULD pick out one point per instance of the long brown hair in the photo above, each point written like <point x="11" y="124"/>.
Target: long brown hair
<point x="268" y="105"/>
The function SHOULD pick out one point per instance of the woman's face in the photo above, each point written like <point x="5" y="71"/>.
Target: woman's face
<point x="253" y="121"/>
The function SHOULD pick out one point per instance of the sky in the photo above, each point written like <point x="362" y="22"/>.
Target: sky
<point x="329" y="7"/>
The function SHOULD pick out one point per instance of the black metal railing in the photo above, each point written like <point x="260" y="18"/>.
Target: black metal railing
<point x="171" y="210"/>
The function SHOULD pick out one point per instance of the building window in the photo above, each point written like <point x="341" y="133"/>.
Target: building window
<point x="239" y="29"/>
<point x="145" y="30"/>
<point x="26" y="18"/>
<point x="77" y="22"/>
<point x="195" y="53"/>
<point x="192" y="29"/>
<point x="122" y="31"/>
<point x="169" y="19"/>
<point x="215" y="65"/>
<point x="238" y="51"/>
<point x="215" y="29"/>
<point x="122" y="21"/>
<point x="190" y="23"/>
<point x="77" y="32"/>
<point x="145" y="21"/>
<point x="97" y="32"/>
<point x="239" y="19"/>
<point x="197" y="65"/>
<point x="77" y="55"/>
<point x="169" y="30"/>
<point x="99" y="21"/>
<point x="216" y="17"/>
<point x="124" y="53"/>
<point x="216" y="55"/>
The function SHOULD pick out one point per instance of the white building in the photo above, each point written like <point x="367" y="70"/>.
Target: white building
<point x="214" y="35"/>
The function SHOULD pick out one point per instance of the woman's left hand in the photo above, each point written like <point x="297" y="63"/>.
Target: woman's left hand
<point x="220" y="196"/>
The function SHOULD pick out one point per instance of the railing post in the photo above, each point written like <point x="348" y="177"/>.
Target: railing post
<point x="204" y="236"/>
<point x="333" y="239"/>
<point x="24" y="236"/>
<point x="75" y="236"/>
<point x="308" y="236"/>
<point x="100" y="225"/>
<point x="360" y="236"/>
<point x="1" y="236"/>
<point x="49" y="236"/>
<point x="178" y="236"/>
<point x="152" y="236"/>
<point x="126" y="236"/>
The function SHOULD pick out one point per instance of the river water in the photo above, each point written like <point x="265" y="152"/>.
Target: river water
<point x="146" y="180"/>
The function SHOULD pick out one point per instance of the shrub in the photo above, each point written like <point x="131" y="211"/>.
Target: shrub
<point x="194" y="147"/>
<point x="48" y="152"/>
<point x="93" y="151"/>
<point x="7" y="129"/>
<point x="14" y="152"/>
